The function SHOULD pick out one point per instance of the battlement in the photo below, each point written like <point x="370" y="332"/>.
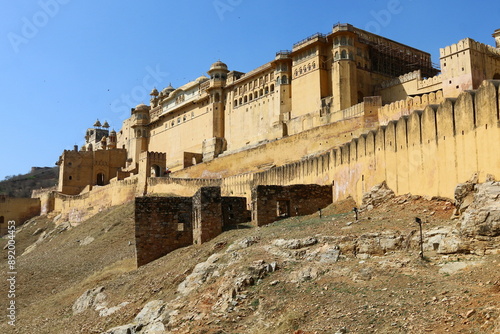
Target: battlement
<point x="466" y="44"/>
<point x="155" y="156"/>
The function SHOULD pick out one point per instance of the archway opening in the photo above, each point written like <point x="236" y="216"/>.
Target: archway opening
<point x="155" y="171"/>
<point x="100" y="179"/>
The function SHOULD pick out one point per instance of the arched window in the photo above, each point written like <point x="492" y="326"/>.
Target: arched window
<point x="272" y="88"/>
<point x="343" y="40"/>
<point x="266" y="89"/>
<point x="245" y="99"/>
<point x="235" y="103"/>
<point x="336" y="41"/>
<point x="284" y="80"/>
<point x="277" y="80"/>
<point x="250" y="97"/>
<point x="336" y="55"/>
<point x="261" y="93"/>
<point x="343" y="54"/>
<point x="241" y="100"/>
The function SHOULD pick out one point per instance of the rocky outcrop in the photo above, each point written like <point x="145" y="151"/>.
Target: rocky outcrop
<point x="376" y="196"/>
<point x="89" y="299"/>
<point x="482" y="216"/>
<point x="95" y="299"/>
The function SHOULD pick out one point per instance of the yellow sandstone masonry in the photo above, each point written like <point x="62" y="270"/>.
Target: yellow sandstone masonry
<point x="347" y="109"/>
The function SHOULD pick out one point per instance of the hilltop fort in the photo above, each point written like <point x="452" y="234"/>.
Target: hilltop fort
<point x="334" y="116"/>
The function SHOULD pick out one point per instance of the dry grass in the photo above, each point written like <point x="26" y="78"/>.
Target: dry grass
<point x="402" y="295"/>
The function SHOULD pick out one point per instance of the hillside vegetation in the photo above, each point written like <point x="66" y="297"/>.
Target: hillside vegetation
<point x="23" y="184"/>
<point x="299" y="275"/>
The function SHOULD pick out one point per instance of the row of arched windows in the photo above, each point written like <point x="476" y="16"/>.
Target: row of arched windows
<point x="254" y="95"/>
<point x="344" y="40"/>
<point x="344" y="54"/>
<point x="305" y="68"/>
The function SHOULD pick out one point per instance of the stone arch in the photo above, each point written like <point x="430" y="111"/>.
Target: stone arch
<point x="155" y="171"/>
<point x="100" y="179"/>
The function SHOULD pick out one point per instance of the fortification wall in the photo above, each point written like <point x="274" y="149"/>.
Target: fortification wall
<point x="79" y="207"/>
<point x="280" y="152"/>
<point x="18" y="210"/>
<point x="396" y="110"/>
<point x="271" y="203"/>
<point x="428" y="152"/>
<point x="174" y="186"/>
<point x="162" y="224"/>
<point x="409" y="84"/>
<point x="47" y="199"/>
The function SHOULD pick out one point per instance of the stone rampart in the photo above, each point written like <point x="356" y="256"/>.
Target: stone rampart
<point x="271" y="203"/>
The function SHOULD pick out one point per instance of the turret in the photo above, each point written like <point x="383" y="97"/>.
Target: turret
<point x="496" y="36"/>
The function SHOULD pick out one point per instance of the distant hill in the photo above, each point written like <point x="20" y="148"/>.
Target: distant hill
<point x="22" y="185"/>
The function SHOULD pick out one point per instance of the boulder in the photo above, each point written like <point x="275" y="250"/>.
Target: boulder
<point x="376" y="196"/>
<point x="295" y="243"/>
<point x="482" y="216"/>
<point x="90" y="298"/>
<point x="201" y="273"/>
<point x="150" y="312"/>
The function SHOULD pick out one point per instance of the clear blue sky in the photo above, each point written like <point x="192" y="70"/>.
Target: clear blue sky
<point x="65" y="63"/>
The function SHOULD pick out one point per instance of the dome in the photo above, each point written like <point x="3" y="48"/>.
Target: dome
<point x="97" y="124"/>
<point x="218" y="65"/>
<point x="105" y="125"/>
<point x="154" y="92"/>
<point x="113" y="133"/>
<point x="202" y="78"/>
<point x="141" y="107"/>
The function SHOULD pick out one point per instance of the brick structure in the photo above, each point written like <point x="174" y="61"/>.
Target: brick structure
<point x="162" y="224"/>
<point x="207" y="214"/>
<point x="234" y="211"/>
<point x="271" y="203"/>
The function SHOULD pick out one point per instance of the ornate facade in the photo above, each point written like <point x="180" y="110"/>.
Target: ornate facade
<point x="323" y="79"/>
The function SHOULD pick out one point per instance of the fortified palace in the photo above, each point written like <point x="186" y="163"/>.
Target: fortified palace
<point x="330" y="118"/>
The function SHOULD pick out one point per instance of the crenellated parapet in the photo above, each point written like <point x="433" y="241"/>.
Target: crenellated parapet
<point x="468" y="43"/>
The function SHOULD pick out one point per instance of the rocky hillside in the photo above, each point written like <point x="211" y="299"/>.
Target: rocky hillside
<point x="22" y="185"/>
<point x="310" y="274"/>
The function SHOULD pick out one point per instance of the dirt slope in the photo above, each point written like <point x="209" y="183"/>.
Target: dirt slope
<point x="300" y="275"/>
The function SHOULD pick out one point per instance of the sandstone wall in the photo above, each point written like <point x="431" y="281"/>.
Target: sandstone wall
<point x="427" y="152"/>
<point x="18" y="210"/>
<point x="79" y="207"/>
